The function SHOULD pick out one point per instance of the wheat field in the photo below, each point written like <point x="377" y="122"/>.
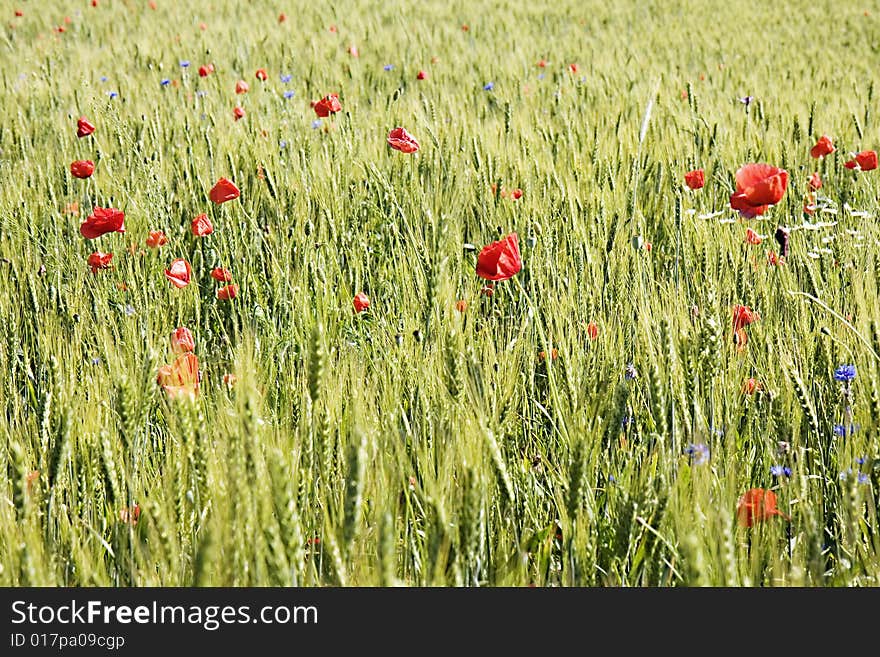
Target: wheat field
<point x="593" y="419"/>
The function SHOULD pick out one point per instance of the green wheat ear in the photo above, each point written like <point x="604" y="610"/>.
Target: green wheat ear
<point x="317" y="363"/>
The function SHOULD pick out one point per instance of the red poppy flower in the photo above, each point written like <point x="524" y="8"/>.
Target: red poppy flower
<point x="282" y="17"/>
<point x="554" y="354"/>
<point x="205" y="71"/>
<point x="229" y="379"/>
<point x="592" y="330"/>
<point x="461" y="305"/>
<point x="758" y="186"/>
<point x="181" y="378"/>
<point x="179" y="273"/>
<point x="238" y="113"/>
<point x="101" y="221"/>
<point x="327" y="105"/>
<point x="241" y="87"/>
<point x="128" y="515"/>
<point x="865" y="161"/>
<point x="400" y="140"/>
<point x="19" y="13"/>
<point x="752" y="237"/>
<point x="516" y="194"/>
<point x="421" y="75"/>
<point x="82" y="168"/>
<point x="543" y="63"/>
<point x="573" y="68"/>
<point x="823" y="147"/>
<point x="773" y="259"/>
<point x="500" y="260"/>
<point x="224" y="190"/>
<point x="757" y="505"/>
<point x="84" y="127"/>
<point x="227" y="292"/>
<point x="221" y="274"/>
<point x="743" y="316"/>
<point x="98" y="260"/>
<point x="695" y="179"/>
<point x="751" y="386"/>
<point x="156" y="239"/>
<point x="261" y="74"/>
<point x="815" y="181"/>
<point x="361" y="302"/>
<point x="201" y="226"/>
<point x="182" y="340"/>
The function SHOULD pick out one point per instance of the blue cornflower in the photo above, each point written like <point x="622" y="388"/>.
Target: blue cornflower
<point x="113" y="94"/>
<point x="201" y="93"/>
<point x="184" y="63"/>
<point x="165" y="82"/>
<point x="103" y="78"/>
<point x="488" y="86"/>
<point x="388" y="67"/>
<point x="863" y="478"/>
<point x="316" y="124"/>
<point x="846" y="473"/>
<point x="282" y="144"/>
<point x="96" y="361"/>
<point x="286" y="77"/>
<point x="699" y="453"/>
<point x="845" y="373"/>
<point x="630" y="372"/>
<point x="541" y="76"/>
<point x="839" y="430"/>
<point x="612" y="479"/>
<point x="288" y="94"/>
<point x="747" y="100"/>
<point x="861" y="460"/>
<point x="129" y="310"/>
<point x="780" y="470"/>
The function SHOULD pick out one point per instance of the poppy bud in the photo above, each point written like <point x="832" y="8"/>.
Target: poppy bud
<point x="782" y="237"/>
<point x="261" y="74"/>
